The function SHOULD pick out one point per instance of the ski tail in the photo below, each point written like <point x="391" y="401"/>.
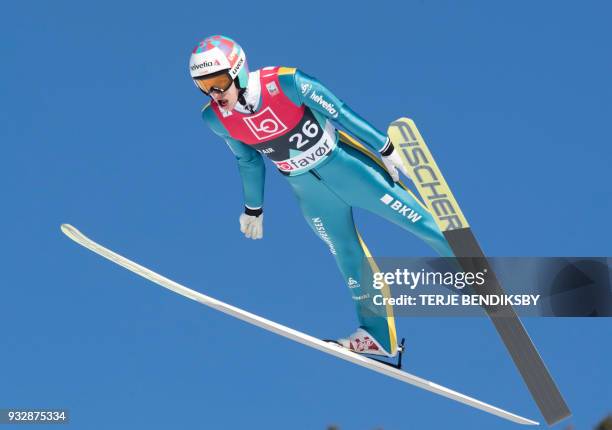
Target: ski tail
<point x="435" y="191"/>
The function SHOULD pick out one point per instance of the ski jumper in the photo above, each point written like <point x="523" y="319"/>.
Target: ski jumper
<point x="331" y="172"/>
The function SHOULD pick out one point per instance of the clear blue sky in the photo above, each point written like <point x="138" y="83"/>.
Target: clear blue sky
<point x="101" y="128"/>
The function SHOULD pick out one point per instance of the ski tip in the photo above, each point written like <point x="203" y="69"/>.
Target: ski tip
<point x="399" y="123"/>
<point x="402" y="119"/>
<point x="70" y="231"/>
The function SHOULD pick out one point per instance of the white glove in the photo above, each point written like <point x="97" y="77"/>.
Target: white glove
<point x="251" y="226"/>
<point x="393" y="163"/>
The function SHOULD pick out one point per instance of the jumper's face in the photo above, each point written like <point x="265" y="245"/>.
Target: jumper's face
<point x="227" y="99"/>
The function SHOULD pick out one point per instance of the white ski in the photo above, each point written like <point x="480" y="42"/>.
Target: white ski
<point x="287" y="332"/>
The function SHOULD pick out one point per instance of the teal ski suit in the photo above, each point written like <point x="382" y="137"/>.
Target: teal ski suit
<point x="288" y="116"/>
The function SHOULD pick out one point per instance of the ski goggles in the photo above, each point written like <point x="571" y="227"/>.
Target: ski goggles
<point x="216" y="82"/>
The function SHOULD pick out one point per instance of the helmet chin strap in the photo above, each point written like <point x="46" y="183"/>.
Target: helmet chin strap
<point x="242" y="100"/>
